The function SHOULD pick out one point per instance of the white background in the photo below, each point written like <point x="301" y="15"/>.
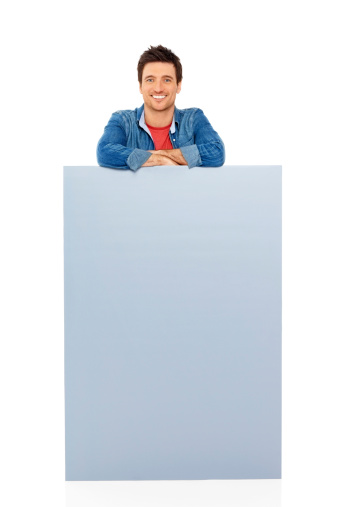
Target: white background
<point x="265" y="74"/>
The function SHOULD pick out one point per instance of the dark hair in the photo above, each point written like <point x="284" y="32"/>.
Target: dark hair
<point x="159" y="54"/>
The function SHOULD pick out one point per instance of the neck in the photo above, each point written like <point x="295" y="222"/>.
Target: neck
<point x="158" y="118"/>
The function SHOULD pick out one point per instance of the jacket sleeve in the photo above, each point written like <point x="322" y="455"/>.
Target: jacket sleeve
<point x="208" y="150"/>
<point x="112" y="150"/>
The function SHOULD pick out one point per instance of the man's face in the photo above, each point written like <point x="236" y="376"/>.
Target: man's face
<point x="159" y="86"/>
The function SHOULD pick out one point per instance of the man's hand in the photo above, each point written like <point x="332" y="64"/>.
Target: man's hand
<point x="156" y="159"/>
<point x="165" y="157"/>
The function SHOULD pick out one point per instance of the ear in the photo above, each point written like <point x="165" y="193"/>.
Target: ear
<point x="179" y="86"/>
<point x="140" y="87"/>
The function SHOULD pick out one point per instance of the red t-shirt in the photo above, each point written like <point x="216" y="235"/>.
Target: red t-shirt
<point x="161" y="137"/>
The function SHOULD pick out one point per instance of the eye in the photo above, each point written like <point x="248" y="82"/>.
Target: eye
<point x="150" y="80"/>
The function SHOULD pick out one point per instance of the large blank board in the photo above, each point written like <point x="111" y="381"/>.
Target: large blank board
<point x="173" y="323"/>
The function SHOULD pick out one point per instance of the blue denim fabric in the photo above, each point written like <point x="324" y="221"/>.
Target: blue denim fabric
<point x="126" y="140"/>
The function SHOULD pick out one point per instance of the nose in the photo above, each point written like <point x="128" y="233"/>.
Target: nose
<point x="158" y="86"/>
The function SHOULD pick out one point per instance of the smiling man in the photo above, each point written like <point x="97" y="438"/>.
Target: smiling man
<point x="158" y="133"/>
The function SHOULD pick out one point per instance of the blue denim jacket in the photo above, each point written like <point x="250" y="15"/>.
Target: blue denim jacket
<point x="127" y="138"/>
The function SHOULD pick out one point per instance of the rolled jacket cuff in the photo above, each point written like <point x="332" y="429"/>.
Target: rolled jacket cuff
<point x="191" y="155"/>
<point x="137" y="158"/>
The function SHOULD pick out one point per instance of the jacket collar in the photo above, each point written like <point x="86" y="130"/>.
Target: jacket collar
<point x="142" y="123"/>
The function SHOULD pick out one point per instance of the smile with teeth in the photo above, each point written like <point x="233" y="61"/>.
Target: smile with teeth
<point x="159" y="96"/>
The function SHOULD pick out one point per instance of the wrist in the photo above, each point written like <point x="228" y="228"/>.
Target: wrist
<point x="157" y="158"/>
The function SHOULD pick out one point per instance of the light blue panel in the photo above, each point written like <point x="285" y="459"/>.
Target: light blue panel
<point x="173" y="323"/>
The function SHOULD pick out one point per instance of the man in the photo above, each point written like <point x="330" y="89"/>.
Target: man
<point x="158" y="133"/>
